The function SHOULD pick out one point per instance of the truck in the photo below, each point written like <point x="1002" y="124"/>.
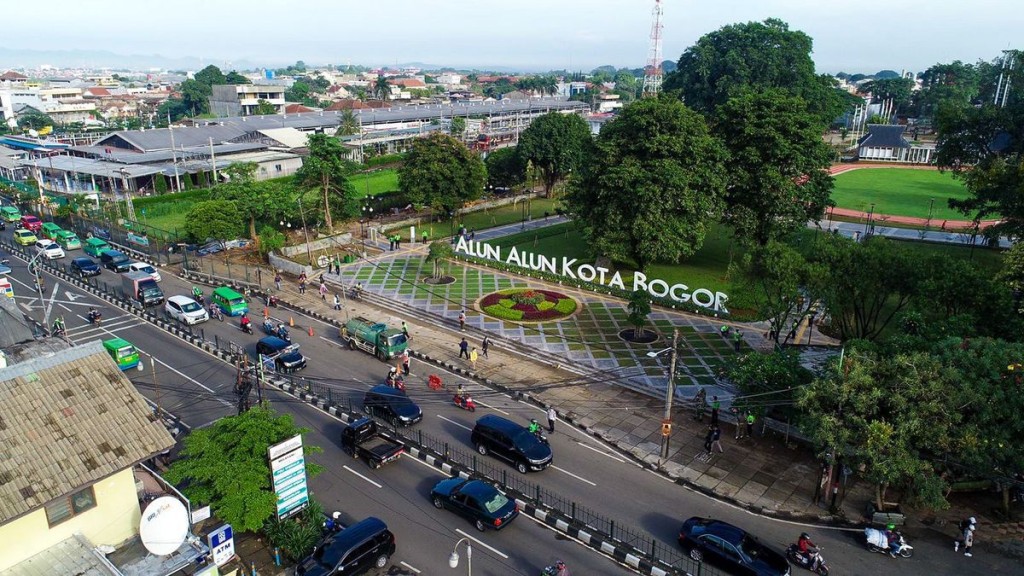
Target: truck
<point x="374" y="337"/>
<point x="362" y="439"/>
<point x="141" y="288"/>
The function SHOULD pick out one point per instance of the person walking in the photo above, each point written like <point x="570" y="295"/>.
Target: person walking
<point x="716" y="439"/>
<point x="464" y="349"/>
<point x="968" y="540"/>
<point x="302" y="283"/>
<point x="337" y="302"/>
<point x="323" y="291"/>
<point x="337" y="265"/>
<point x="405" y="329"/>
<point x="750" y="424"/>
<point x="552" y="417"/>
<point x="277" y="281"/>
<point x="739" y="422"/>
<point x="472" y="358"/>
<point x="700" y="404"/>
<point x="965" y="534"/>
<point x="462" y="320"/>
<point x="715" y="407"/>
<point x="485" y="345"/>
<point x="707" y="439"/>
<point x="405" y="361"/>
<point x="737" y="338"/>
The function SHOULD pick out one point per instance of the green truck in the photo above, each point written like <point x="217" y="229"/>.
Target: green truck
<point x="374" y="337"/>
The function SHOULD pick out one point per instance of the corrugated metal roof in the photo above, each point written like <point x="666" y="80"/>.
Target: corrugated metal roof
<point x="93" y="167"/>
<point x="71" y="556"/>
<point x="69" y="420"/>
<point x="160" y="138"/>
<point x="884" y="136"/>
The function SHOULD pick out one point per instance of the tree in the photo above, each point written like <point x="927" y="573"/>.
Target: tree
<point x="768" y="381"/>
<point x="349" y="124"/>
<point x="236" y="78"/>
<point x="955" y="84"/>
<point x="1012" y="272"/>
<point x="34" y="120"/>
<point x="438" y="252"/>
<point x="195" y="97"/>
<point x="255" y="201"/>
<point x="458" y="126"/>
<point x="441" y="172"/>
<point x="776" y="275"/>
<point x="639" y="310"/>
<point x="652" y="184"/>
<point x="264" y="108"/>
<point x="778" y="165"/>
<point x="210" y="76"/>
<point x="225" y="465"/>
<point x="160" y="184"/>
<point x="269" y="240"/>
<point x="505" y="168"/>
<point x="382" y="88"/>
<point x="173" y="108"/>
<point x="752" y="57"/>
<point x="896" y="89"/>
<point x="556" y="144"/>
<point x="326" y="169"/>
<point x="216" y="219"/>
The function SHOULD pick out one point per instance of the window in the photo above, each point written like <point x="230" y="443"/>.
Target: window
<point x="277" y="167"/>
<point x="70" y="506"/>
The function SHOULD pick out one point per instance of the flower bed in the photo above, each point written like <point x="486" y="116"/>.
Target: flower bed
<point x="527" y="304"/>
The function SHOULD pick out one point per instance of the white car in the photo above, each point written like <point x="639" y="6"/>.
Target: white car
<point x="49" y="249"/>
<point x="186" y="310"/>
<point x="143" y="267"/>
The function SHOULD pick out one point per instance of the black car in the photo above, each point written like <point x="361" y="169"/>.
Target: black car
<point x="85" y="267"/>
<point x="286" y="356"/>
<point x="730" y="548"/>
<point x="391" y="404"/>
<point x="512" y="442"/>
<point x="115" y="260"/>
<point x="477" y="500"/>
<point x="364" y="545"/>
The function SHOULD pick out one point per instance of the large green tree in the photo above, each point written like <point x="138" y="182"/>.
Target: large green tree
<point x="505" y="168"/>
<point x="235" y="78"/>
<point x="195" y="97"/>
<point x="556" y="144"/>
<point x="439" y="171"/>
<point x="776" y="275"/>
<point x="225" y="465"/>
<point x="326" y="169"/>
<point x="955" y="84"/>
<point x="753" y="56"/>
<point x="211" y="76"/>
<point x="778" y="178"/>
<point x="898" y="90"/>
<point x="652" y="185"/>
<point x="216" y="219"/>
<point x="382" y="88"/>
<point x="349" y="124"/>
<point x="256" y="201"/>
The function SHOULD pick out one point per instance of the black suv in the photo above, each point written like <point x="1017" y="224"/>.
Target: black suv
<point x="286" y="356"/>
<point x="391" y="404"/>
<point x="115" y="260"/>
<point x="512" y="442"/>
<point x="363" y="545"/>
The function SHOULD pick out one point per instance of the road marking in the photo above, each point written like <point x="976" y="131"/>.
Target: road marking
<point x="580" y="478"/>
<point x="601" y="452"/>
<point x="454" y="422"/>
<point x="480" y="542"/>
<point x="330" y="341"/>
<point x="492" y="407"/>
<point x="416" y="570"/>
<point x="72" y="296"/>
<point x="361" y="476"/>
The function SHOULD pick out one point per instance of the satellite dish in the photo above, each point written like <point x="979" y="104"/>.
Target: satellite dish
<point x="164" y="525"/>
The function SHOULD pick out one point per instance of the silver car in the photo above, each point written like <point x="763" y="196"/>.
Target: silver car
<point x="186" y="310"/>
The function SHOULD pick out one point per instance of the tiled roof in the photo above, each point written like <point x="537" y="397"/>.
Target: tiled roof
<point x="296" y="108"/>
<point x="69" y="420"/>
<point x="408" y="82"/>
<point x="884" y="136"/>
<point x="97" y="91"/>
<point x="12" y="75"/>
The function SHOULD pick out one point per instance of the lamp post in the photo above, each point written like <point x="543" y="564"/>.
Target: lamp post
<point x="453" y="559"/>
<point x="666" y="421"/>
<point x="368" y="216"/>
<point x="871" y="213"/>
<point x="305" y="231"/>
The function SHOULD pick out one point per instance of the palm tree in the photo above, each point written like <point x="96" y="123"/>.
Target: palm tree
<point x="349" y="124"/>
<point x="382" y="88"/>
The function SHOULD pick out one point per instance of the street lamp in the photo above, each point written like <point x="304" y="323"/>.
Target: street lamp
<point x="305" y="231"/>
<point x="666" y="421"/>
<point x="453" y="559"/>
<point x="871" y="212"/>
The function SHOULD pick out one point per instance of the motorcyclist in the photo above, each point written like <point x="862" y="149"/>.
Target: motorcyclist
<point x="893" y="539"/>
<point x="534" y="427"/>
<point x="392" y="376"/>
<point x="94" y="315"/>
<point x="58" y="326"/>
<point x="282" y="332"/>
<point x="245" y="323"/>
<point x="214" y="310"/>
<point x="806" y="547"/>
<point x="197" y="293"/>
<point x="561" y="569"/>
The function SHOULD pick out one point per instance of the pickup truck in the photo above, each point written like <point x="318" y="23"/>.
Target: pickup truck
<point x="362" y="439"/>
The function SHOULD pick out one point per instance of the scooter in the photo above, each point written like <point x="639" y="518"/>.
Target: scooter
<point x="876" y="541"/>
<point x="395" y="381"/>
<point x="272" y="301"/>
<point x="813" y="558"/>
<point x="279" y="331"/>
<point x="332" y="524"/>
<point x="464" y="402"/>
<point x="94" y="318"/>
<point x="246" y="327"/>
<point x="549" y="571"/>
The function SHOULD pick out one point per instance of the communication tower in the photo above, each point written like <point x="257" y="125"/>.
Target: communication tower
<point x="652" y="72"/>
<point x="1003" y="87"/>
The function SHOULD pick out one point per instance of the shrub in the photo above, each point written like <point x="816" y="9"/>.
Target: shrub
<point x="499" y="311"/>
<point x="566" y="306"/>
<point x="545" y="305"/>
<point x="297" y="535"/>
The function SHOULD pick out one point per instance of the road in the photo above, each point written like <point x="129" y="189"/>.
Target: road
<point x="198" y="387"/>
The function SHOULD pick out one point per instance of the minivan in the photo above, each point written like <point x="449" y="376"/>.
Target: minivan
<point x="511" y="442"/>
<point x="355" y="550"/>
<point x="95" y="246"/>
<point x="230" y="302"/>
<point x="286" y="356"/>
<point x="68" y="240"/>
<point x="50" y="230"/>
<point x="115" y="260"/>
<point x="10" y="214"/>
<point x="391" y="404"/>
<point x="30" y="222"/>
<point x="123" y="352"/>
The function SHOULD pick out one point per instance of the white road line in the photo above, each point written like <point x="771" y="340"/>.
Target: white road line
<point x="416" y="570"/>
<point x="601" y="452"/>
<point x="492" y="407"/>
<point x="361" y="476"/>
<point x="580" y="478"/>
<point x="454" y="422"/>
<point x="491" y="548"/>
<point x="332" y="342"/>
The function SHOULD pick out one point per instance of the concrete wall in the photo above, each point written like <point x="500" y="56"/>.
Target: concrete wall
<point x="285" y="265"/>
<point x="335" y="242"/>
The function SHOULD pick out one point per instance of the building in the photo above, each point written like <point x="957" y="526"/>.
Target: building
<point x="885" y="143"/>
<point x="73" y="429"/>
<point x="243" y="99"/>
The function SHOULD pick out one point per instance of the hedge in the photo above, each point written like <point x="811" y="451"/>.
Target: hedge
<point x="499" y="311"/>
<point x="566" y="306"/>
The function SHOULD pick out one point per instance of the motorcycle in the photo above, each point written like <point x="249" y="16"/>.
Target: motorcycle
<point x="876" y="541"/>
<point x="94" y="318"/>
<point x="549" y="571"/>
<point x="246" y="327"/>
<point x="464" y="402"/>
<point x="812" y="558"/>
<point x="272" y="301"/>
<point x="332" y="524"/>
<point x="280" y="331"/>
<point x="395" y="381"/>
<point x="215" y="313"/>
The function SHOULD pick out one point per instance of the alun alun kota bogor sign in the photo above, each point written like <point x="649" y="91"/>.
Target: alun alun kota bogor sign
<point x="570" y="270"/>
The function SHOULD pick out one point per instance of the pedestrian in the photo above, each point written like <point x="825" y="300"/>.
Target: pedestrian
<point x="715" y="407"/>
<point x="277" y="281"/>
<point x="707" y="439"/>
<point x="337" y="302"/>
<point x="405" y="329"/>
<point x="739" y="422"/>
<point x="552" y="417"/>
<point x="968" y="540"/>
<point x="472" y="358"/>
<point x="716" y="439"/>
<point x="425" y="237"/>
<point x="700" y="403"/>
<point x="725" y="331"/>
<point x="398" y="241"/>
<point x="337" y="265"/>
<point x="965" y="534"/>
<point x="737" y="338"/>
<point x="485" y="345"/>
<point x="750" y="424"/>
<point x="464" y="349"/>
<point x="302" y="286"/>
<point x="405" y="362"/>
<point x="391" y="243"/>
<point x="323" y="291"/>
<point x="462" y="320"/>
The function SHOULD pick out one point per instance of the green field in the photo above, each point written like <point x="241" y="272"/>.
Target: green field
<point x="373" y="183"/>
<point x="899" y="192"/>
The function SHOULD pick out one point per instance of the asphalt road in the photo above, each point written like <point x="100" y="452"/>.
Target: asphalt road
<point x="198" y="387"/>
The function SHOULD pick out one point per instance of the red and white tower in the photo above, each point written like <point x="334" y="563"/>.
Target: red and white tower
<point x="652" y="72"/>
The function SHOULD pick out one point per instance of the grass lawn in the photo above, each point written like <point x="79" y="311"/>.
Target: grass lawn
<point x="373" y="183"/>
<point x="491" y="217"/>
<point x="899" y="192"/>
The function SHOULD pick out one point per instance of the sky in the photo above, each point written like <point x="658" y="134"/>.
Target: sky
<point x="863" y="36"/>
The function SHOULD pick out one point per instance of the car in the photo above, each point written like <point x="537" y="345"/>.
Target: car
<point x="84" y="266"/>
<point x="24" y="237"/>
<point x="186" y="310"/>
<point x="144" y="267"/>
<point x="4" y="269"/>
<point x="476" y="500"/>
<point x="49" y="249"/>
<point x="30" y="222"/>
<point x="730" y="548"/>
<point x="115" y="260"/>
<point x="354" y="550"/>
<point x="286" y="356"/>
<point x="511" y="442"/>
<point x="391" y="404"/>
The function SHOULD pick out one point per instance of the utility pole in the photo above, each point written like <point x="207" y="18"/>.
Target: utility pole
<point x="670" y="390"/>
